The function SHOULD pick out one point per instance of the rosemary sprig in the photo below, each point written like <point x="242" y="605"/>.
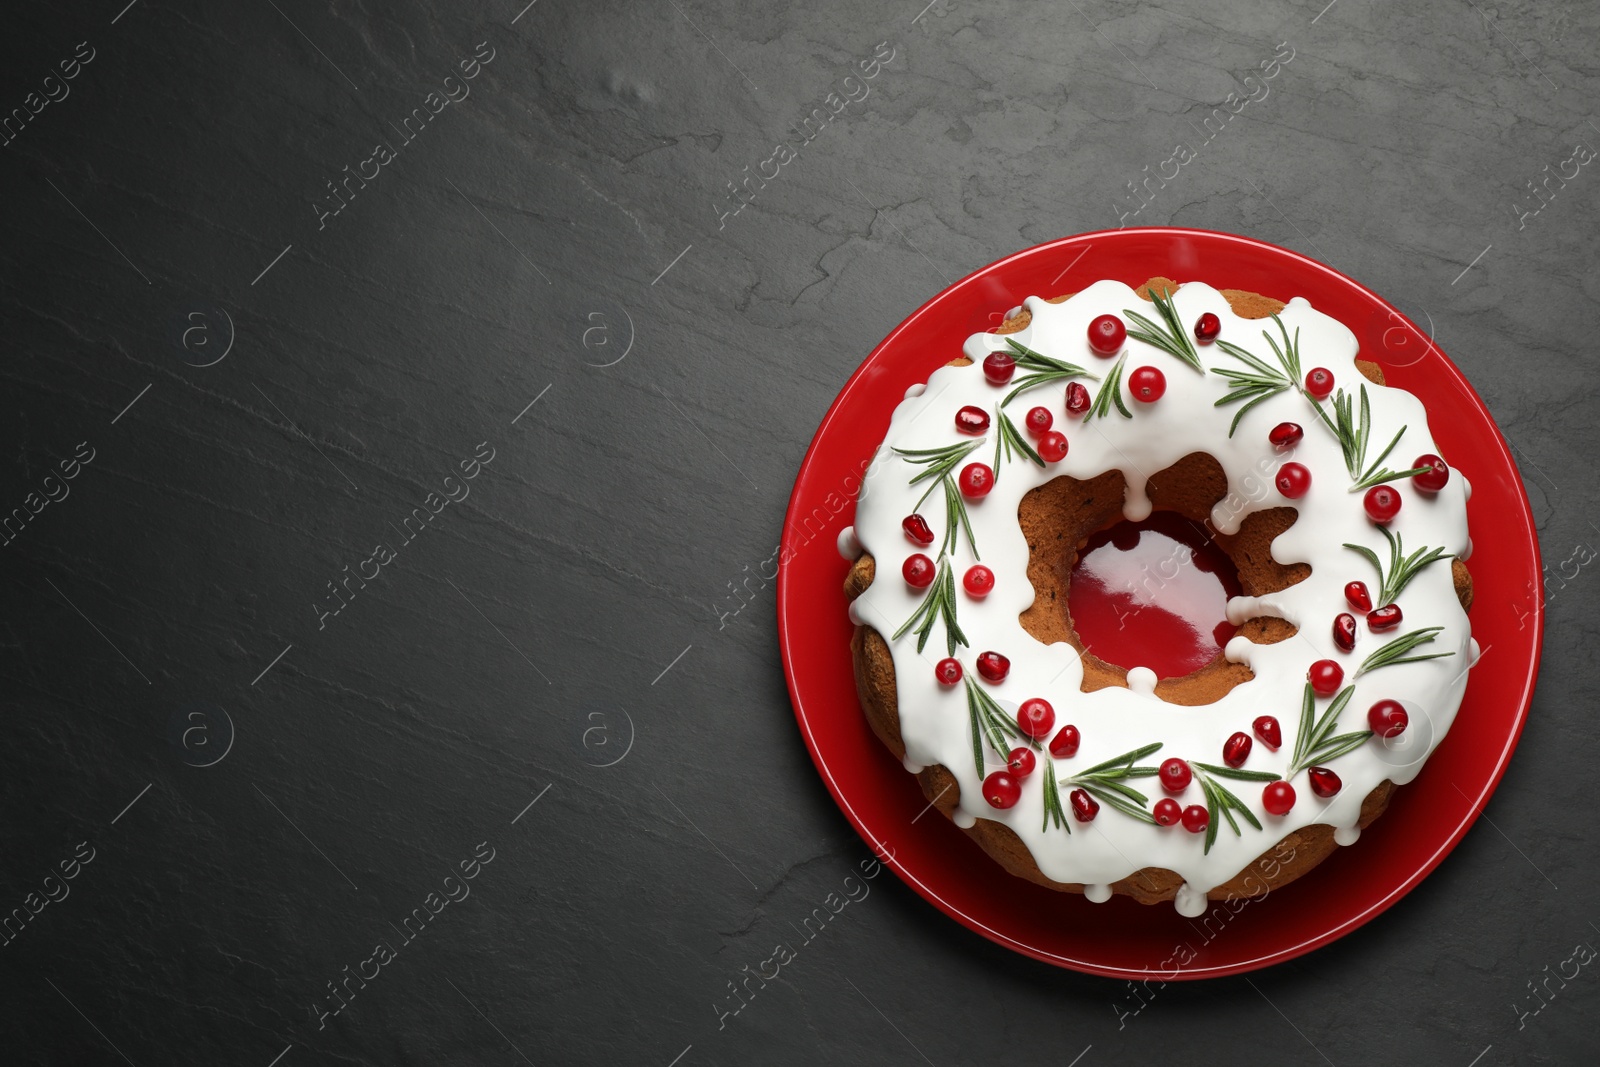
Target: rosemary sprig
<point x="1220" y="800"/>
<point x="1110" y="393"/>
<point x="1401" y="568"/>
<point x="1395" y="651"/>
<point x="1235" y="773"/>
<point x="955" y="519"/>
<point x="1052" y="799"/>
<point x="1315" y="742"/>
<point x="1107" y="782"/>
<point x="991" y="723"/>
<point x="1169" y="335"/>
<point x="937" y="463"/>
<point x="939" y="603"/>
<point x="1353" y="432"/>
<point x="1007" y="437"/>
<point x="1041" y="370"/>
<point x="1261" y="381"/>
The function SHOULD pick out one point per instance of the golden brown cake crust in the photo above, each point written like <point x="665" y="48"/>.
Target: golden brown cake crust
<point x="1057" y="519"/>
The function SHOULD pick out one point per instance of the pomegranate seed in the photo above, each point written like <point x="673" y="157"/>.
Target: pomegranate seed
<point x="1064" y="745"/>
<point x="1146" y="384"/>
<point x="947" y="671"/>
<point x="1385" y="618"/>
<point x="1206" y="328"/>
<point x="1277" y="798"/>
<point x="976" y="481"/>
<point x="978" y="580"/>
<point x="1356" y="593"/>
<point x="1021" y="762"/>
<point x="1035" y="717"/>
<point x="1383" y="504"/>
<point x="1053" y="446"/>
<point x="1237" y="749"/>
<point x="1388" y="718"/>
<point x="1106" y="335"/>
<point x="1167" y="811"/>
<point x="1325" y="677"/>
<point x="919" y="571"/>
<point x="1319" y="382"/>
<point x="1001" y="789"/>
<point x="1196" y="819"/>
<point x="1266" y="728"/>
<point x="1077" y="399"/>
<point x="1285" y="435"/>
<point x="916" y="528"/>
<point x="972" y="420"/>
<point x="1038" y="420"/>
<point x="998" y="367"/>
<point x="1344" y="631"/>
<point x="1324" y="782"/>
<point x="1435" y="478"/>
<point x="1175" y="775"/>
<point x="1293" y="480"/>
<point x="1084" y="806"/>
<point x="993" y="666"/>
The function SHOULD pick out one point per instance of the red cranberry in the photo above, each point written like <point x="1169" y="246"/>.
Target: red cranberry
<point x="1053" y="446"/>
<point x="976" y="481"/>
<point x="919" y="571"/>
<point x="1388" y="718"/>
<point x="1077" y="399"/>
<point x="998" y="367"/>
<point x="1021" y="761"/>
<point x="1435" y="477"/>
<point x="1319" y="382"/>
<point x="1325" y="677"/>
<point x="1196" y="819"/>
<point x="916" y="528"/>
<point x="1167" y="811"/>
<point x="1277" y="798"/>
<point x="1344" y="631"/>
<point x="947" y="671"/>
<point x="972" y="420"/>
<point x="1356" y="593"/>
<point x="1285" y="435"/>
<point x="1001" y="789"/>
<point x="1084" y="806"/>
<point x="1064" y="745"/>
<point x="1106" y="334"/>
<point x="993" y="666"/>
<point x="1266" y="728"/>
<point x="1035" y="717"/>
<point x="1038" y="420"/>
<point x="979" y="580"/>
<point x="1175" y="775"/>
<point x="1206" y="328"/>
<point x="1146" y="384"/>
<point x="1237" y="749"/>
<point x="1324" y="782"/>
<point x="1293" y="480"/>
<point x="1385" y="618"/>
<point x="1383" y="504"/>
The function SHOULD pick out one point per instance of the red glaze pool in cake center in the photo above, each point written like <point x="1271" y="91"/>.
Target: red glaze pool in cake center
<point x="1153" y="594"/>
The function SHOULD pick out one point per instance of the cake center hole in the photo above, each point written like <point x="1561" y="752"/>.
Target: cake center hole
<point x="1153" y="594"/>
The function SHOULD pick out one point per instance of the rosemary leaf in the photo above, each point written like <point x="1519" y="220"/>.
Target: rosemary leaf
<point x="1235" y="773"/>
<point x="1396" y="651"/>
<point x="1110" y="393"/>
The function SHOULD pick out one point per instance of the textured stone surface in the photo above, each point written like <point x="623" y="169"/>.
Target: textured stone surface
<point x="563" y="217"/>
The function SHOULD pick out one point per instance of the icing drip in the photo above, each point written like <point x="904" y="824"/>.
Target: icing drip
<point x="1099" y="894"/>
<point x="934" y="719"/>
<point x="1346" y="835"/>
<point x="849" y="546"/>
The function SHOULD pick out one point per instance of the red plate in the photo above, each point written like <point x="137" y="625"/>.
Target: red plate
<point x="1121" y="938"/>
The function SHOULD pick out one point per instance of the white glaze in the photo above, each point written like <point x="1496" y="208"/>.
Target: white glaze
<point x="849" y="547"/>
<point x="933" y="720"/>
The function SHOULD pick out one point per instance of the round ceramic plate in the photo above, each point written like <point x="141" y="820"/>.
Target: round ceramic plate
<point x="1122" y="938"/>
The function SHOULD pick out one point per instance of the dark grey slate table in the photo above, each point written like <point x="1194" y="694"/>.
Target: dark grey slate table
<point x="429" y="382"/>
